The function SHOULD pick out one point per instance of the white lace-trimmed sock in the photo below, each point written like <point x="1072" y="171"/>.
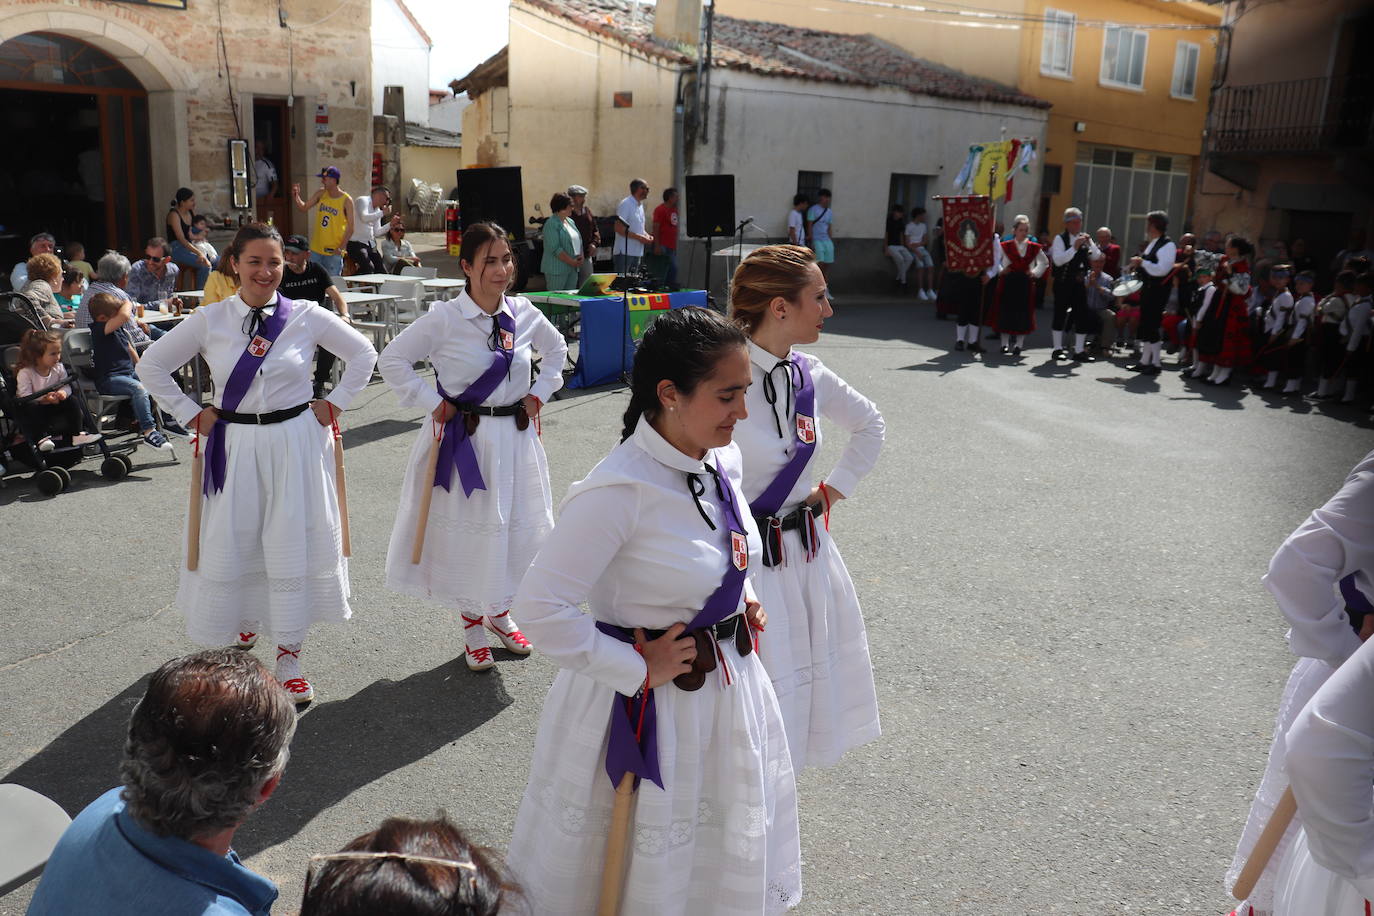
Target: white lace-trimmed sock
<point x="474" y="633"/>
<point x="1058" y="339"/>
<point x="288" y="661"/>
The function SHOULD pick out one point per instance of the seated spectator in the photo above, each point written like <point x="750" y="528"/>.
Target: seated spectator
<point x="200" y="238"/>
<point x="73" y="285"/>
<point x="396" y="250"/>
<point x="179" y="221"/>
<point x="1111" y="251"/>
<point x="224" y="280"/>
<point x="42" y="243"/>
<point x="76" y="259"/>
<point x="894" y="246"/>
<point x="55" y="413"/>
<point x="44" y="275"/>
<point x="112" y="277"/>
<point x="153" y="280"/>
<point x="409" y="868"/>
<point x="914" y="238"/>
<point x="115" y="358"/>
<point x="207" y="745"/>
<point x="1102" y="302"/>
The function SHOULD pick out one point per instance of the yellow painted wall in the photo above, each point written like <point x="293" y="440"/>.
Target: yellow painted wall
<point x="970" y="43"/>
<point x="1150" y="119"/>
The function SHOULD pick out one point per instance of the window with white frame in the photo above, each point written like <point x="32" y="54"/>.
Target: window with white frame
<point x="1123" y="57"/>
<point x="1185" y="70"/>
<point x="1056" y="47"/>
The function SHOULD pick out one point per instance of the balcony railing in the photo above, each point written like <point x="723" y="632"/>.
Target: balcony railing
<point x="1297" y="116"/>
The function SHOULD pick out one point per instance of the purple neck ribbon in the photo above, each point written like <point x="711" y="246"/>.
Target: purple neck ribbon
<point x="216" y="456"/>
<point x="633" y="744"/>
<point x="770" y="501"/>
<point x="455" y="450"/>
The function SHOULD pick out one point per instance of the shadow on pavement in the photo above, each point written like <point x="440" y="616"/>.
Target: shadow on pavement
<point x="344" y="745"/>
<point x="377" y="430"/>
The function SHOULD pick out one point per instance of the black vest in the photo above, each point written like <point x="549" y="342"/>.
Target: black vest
<point x="1152" y="255"/>
<point x="1077" y="267"/>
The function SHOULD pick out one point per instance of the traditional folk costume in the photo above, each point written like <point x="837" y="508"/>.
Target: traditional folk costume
<point x="1279" y="321"/>
<point x="1223" y="336"/>
<point x="1355" y="331"/>
<point x="1023" y="262"/>
<point x="970" y="296"/>
<point x="1156" y="265"/>
<point x="490" y="504"/>
<point x="652" y="537"/>
<point x="1072" y="264"/>
<point x="815" y="648"/>
<point x="1330" y="347"/>
<point x="1295" y="354"/>
<point x="1320" y="580"/>
<point x="270" y="542"/>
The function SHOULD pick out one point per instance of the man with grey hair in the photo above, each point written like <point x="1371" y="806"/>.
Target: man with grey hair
<point x="1071" y="254"/>
<point x="112" y="276"/>
<point x="207" y="746"/>
<point x="42" y="243"/>
<point x="586" y="227"/>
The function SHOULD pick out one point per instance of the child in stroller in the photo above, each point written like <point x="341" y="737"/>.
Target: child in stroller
<point x="54" y="414"/>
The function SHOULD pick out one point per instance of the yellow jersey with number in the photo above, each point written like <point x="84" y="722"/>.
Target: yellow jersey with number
<point x="328" y="237"/>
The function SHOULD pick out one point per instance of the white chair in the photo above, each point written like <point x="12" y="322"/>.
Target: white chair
<point x="409" y="291"/>
<point x="30" y="826"/>
<point x="424" y="273"/>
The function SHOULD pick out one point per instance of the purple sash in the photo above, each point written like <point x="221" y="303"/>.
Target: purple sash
<point x="455" y="450"/>
<point x="1354" y="598"/>
<point x="804" y="440"/>
<point x="216" y="457"/>
<point x="633" y="745"/>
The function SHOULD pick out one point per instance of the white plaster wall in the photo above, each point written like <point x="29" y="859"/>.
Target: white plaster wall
<point x="400" y="57"/>
<point x="766" y="129"/>
<point x="448" y="114"/>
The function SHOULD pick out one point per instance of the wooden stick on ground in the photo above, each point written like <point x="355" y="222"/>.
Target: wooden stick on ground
<point x="193" y="517"/>
<point x="617" y="848"/>
<point x="426" y="497"/>
<point x="1266" y="844"/>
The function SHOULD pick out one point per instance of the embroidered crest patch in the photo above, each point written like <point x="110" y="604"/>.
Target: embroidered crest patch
<point x="806" y="429"/>
<point x="259" y="346"/>
<point x="739" y="550"/>
<point x="507" y="340"/>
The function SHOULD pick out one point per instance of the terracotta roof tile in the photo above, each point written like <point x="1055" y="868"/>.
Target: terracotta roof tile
<point x="772" y="49"/>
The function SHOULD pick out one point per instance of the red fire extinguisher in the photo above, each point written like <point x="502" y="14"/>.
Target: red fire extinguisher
<point x="453" y="233"/>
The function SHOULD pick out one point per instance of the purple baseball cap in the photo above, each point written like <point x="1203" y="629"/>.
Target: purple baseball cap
<point x="329" y="172"/>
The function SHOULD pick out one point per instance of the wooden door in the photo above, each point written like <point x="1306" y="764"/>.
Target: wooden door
<point x="272" y="127"/>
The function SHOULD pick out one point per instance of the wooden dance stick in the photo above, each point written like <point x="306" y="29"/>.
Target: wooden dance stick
<point x="426" y="496"/>
<point x="193" y="517"/>
<point x="617" y="847"/>
<point x="341" y="484"/>
<point x="1266" y="844"/>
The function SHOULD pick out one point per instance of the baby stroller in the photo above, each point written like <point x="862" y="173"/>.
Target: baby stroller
<point x="18" y="437"/>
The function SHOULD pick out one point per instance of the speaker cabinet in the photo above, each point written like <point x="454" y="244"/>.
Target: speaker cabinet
<point x="492" y="194"/>
<point x="710" y="205"/>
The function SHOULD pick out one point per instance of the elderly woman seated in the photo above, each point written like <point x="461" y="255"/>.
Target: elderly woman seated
<point x="45" y="276"/>
<point x="395" y="248"/>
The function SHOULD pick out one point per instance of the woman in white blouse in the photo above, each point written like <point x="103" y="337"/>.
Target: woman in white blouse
<point x="816" y="648"/>
<point x="490" y="506"/>
<point x="654" y="538"/>
<point x="270" y="541"/>
<point x="1320" y="580"/>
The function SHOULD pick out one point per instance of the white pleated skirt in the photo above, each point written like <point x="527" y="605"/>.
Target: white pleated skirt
<point x="1307" y="675"/>
<point x="477" y="548"/>
<point x="720" y="839"/>
<point x="815" y="649"/>
<point x="271" y="548"/>
<point x="1304" y="888"/>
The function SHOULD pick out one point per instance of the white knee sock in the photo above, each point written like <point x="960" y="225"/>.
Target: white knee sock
<point x="1156" y="349"/>
<point x="1080" y="342"/>
<point x="1057" y="337"/>
<point x="1271" y="379"/>
<point x="1292" y="386"/>
<point x="1222" y="374"/>
<point x="1020" y="340"/>
<point x="1350" y="387"/>
<point x="1006" y="340"/>
<point x="1323" y="386"/>
<point x="973" y="333"/>
<point x="1200" y="369"/>
<point x="960" y="333"/>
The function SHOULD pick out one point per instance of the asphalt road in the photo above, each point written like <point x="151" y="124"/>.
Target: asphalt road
<point x="1077" y="665"/>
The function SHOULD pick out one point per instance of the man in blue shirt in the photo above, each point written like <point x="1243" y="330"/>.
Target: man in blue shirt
<point x="153" y="280"/>
<point x="207" y="745"/>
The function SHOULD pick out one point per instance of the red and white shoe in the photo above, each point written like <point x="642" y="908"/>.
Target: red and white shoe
<point x="476" y="651"/>
<point x="512" y="639"/>
<point x="299" y="690"/>
<point x="247" y="640"/>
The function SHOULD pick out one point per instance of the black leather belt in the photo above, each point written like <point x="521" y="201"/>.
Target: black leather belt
<point x="474" y="412"/>
<point x="791" y="520"/>
<point x="772" y="526"/>
<point x="262" y="419"/>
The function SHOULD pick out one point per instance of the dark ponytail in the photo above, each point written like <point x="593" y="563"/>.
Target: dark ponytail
<point x="182" y="195"/>
<point x="682" y="346"/>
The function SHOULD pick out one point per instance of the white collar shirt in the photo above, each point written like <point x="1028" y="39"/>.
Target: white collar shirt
<point x="631" y="543"/>
<point x="283" y="380"/>
<point x="1336" y="540"/>
<point x="1062" y="252"/>
<point x="766" y="452"/>
<point x="1280" y="311"/>
<point x="455" y="336"/>
<point x="1164" y="256"/>
<point x="1356" y="323"/>
<point x="1303" y="313"/>
<point x="631" y="212"/>
<point x="367" y="228"/>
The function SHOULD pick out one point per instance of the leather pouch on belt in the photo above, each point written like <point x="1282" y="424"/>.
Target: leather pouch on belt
<point x="703" y="664"/>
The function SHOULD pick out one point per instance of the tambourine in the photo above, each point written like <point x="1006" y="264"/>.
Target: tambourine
<point x="1128" y="286"/>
